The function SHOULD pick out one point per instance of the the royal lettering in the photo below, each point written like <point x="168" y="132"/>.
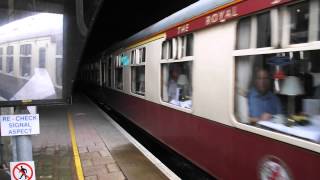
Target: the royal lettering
<point x="183" y="29"/>
<point x="221" y="16"/>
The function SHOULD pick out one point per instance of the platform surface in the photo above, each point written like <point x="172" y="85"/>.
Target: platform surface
<point x="105" y="153"/>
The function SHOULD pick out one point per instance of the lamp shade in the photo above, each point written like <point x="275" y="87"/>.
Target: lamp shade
<point x="182" y="80"/>
<point x="292" y="86"/>
<point x="141" y="77"/>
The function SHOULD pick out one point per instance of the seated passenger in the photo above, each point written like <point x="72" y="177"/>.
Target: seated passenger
<point x="262" y="102"/>
<point x="173" y="85"/>
<point x="317" y="92"/>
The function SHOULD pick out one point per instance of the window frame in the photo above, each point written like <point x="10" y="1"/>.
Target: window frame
<point x="176" y="58"/>
<point x="1" y="57"/>
<point x="116" y="66"/>
<point x="136" y="60"/>
<point x="10" y="55"/>
<point x="45" y="57"/>
<point x="253" y="34"/>
<point x="278" y="46"/>
<point x="25" y="53"/>
<point x="57" y="79"/>
<point x="313" y="23"/>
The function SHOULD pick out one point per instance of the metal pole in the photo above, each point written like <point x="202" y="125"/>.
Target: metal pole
<point x="1" y="146"/>
<point x="24" y="148"/>
<point x="10" y="111"/>
<point x="23" y="143"/>
<point x="4" y="172"/>
<point x="14" y="148"/>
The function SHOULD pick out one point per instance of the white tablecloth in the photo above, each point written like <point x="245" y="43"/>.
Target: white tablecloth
<point x="310" y="131"/>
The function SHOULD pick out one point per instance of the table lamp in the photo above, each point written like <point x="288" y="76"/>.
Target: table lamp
<point x="291" y="87"/>
<point x="182" y="80"/>
<point x="182" y="83"/>
<point x="278" y="62"/>
<point x="141" y="78"/>
<point x="141" y="83"/>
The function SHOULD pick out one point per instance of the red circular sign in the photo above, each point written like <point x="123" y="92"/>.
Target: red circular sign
<point x="19" y="170"/>
<point x="272" y="168"/>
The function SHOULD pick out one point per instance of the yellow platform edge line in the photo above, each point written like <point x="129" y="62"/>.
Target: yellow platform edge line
<point x="75" y="150"/>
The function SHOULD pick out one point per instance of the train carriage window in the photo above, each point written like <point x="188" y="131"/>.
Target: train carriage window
<point x="170" y="49"/>
<point x="280" y="27"/>
<point x="109" y="72"/>
<point x="118" y="76"/>
<point x="59" y="45"/>
<point x="42" y="57"/>
<point x="10" y="50"/>
<point x="9" y="66"/>
<point x="25" y="66"/>
<point x="25" y="49"/>
<point x="164" y="50"/>
<point x="185" y="46"/>
<point x="90" y="73"/>
<point x="243" y="33"/>
<point x="254" y="31"/>
<point x="94" y="72"/>
<point x="138" y="59"/>
<point x="177" y="48"/>
<point x="138" y="80"/>
<point x="118" y="73"/>
<point x="59" y="66"/>
<point x="133" y="56"/>
<point x="103" y="73"/>
<point x="264" y="30"/>
<point x="176" y="76"/>
<point x="167" y="49"/>
<point x="59" y="60"/>
<point x="317" y="28"/>
<point x="25" y="60"/>
<point x="299" y="22"/>
<point x="1" y="53"/>
<point x="97" y="73"/>
<point x="9" y="60"/>
<point x="142" y="55"/>
<point x="280" y="92"/>
<point x="176" y="83"/>
<point x="181" y="46"/>
<point x="189" y="44"/>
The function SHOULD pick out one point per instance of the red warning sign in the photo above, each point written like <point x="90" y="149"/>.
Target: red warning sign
<point x="22" y="170"/>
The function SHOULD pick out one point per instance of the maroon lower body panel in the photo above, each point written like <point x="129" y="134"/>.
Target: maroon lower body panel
<point x="223" y="151"/>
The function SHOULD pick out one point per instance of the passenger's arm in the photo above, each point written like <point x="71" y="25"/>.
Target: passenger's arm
<point x="253" y="120"/>
<point x="263" y="117"/>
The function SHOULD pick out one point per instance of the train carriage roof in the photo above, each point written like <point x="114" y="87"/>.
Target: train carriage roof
<point x="189" y="12"/>
<point x="38" y="25"/>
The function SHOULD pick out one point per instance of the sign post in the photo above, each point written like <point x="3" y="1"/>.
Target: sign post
<point x="21" y="126"/>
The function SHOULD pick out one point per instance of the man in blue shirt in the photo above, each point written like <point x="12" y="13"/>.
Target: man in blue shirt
<point x="262" y="102"/>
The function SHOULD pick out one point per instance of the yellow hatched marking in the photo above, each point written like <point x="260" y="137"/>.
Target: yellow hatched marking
<point x="76" y="156"/>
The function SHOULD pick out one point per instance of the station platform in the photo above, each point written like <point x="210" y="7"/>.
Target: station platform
<point x="81" y="141"/>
